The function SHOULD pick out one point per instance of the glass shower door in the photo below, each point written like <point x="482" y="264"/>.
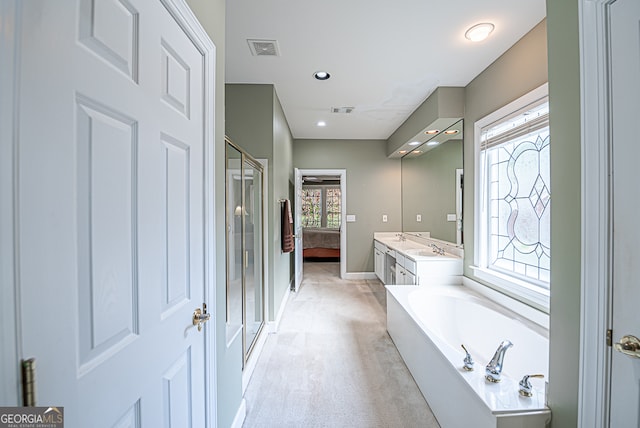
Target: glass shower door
<point x="234" y="240"/>
<point x="253" y="254"/>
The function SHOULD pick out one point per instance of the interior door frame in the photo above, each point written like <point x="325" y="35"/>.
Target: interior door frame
<point x="342" y="173"/>
<point x="10" y="345"/>
<point x="596" y="287"/>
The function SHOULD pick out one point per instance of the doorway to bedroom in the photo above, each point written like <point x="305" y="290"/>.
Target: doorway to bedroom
<point x="321" y="218"/>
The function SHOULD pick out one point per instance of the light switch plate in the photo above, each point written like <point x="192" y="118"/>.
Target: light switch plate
<point x="351" y="218"/>
<point x="418" y="218"/>
<point x="385" y="218"/>
<point x="451" y="217"/>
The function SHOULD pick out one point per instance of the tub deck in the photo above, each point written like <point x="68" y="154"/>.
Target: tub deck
<point x="457" y="397"/>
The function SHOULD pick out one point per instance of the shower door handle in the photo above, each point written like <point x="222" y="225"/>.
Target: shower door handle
<point x="628" y="345"/>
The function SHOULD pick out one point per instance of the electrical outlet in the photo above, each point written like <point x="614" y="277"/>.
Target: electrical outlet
<point x="451" y="217"/>
<point x="418" y="218"/>
<point x="384" y="218"/>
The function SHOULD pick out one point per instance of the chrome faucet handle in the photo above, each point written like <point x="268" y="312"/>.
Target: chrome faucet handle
<point x="493" y="371"/>
<point x="468" y="361"/>
<point x="525" y="385"/>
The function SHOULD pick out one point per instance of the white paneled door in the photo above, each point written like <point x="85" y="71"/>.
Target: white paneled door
<point x="625" y="86"/>
<point x="111" y="235"/>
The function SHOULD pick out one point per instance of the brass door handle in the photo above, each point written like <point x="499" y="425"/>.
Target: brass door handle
<point x="628" y="345"/>
<point x="201" y="316"/>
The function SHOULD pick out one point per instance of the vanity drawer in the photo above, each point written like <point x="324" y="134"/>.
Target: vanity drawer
<point x="410" y="265"/>
<point x="400" y="259"/>
<point x="380" y="246"/>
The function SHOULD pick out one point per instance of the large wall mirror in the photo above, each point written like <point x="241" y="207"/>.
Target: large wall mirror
<point x="432" y="178"/>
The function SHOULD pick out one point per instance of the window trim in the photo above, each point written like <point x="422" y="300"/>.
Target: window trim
<point x="525" y="291"/>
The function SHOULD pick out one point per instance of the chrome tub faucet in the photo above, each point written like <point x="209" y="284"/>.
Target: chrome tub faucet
<point x="493" y="370"/>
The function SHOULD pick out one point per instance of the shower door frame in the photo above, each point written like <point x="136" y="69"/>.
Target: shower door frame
<point x="246" y="158"/>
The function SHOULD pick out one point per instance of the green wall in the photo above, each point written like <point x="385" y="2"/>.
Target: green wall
<point x="373" y="189"/>
<point x="518" y="71"/>
<point x="564" y="101"/>
<point x="255" y="121"/>
<point x="283" y="178"/>
<point x="428" y="178"/>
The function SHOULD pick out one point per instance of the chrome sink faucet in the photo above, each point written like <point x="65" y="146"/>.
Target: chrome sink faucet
<point x="401" y="237"/>
<point x="493" y="371"/>
<point x="438" y="250"/>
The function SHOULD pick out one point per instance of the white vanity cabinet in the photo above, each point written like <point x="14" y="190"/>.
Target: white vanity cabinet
<point x="405" y="270"/>
<point x="380" y="252"/>
<point x="401" y="261"/>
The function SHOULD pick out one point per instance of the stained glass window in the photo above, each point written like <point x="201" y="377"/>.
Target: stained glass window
<point x="515" y="155"/>
<point x="312" y="207"/>
<point x="334" y="212"/>
<point x="321" y="207"/>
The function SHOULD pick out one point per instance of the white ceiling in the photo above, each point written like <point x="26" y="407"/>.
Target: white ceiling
<point x="385" y="57"/>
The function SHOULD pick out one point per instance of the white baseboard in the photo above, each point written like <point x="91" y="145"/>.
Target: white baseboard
<point x="274" y="325"/>
<point x="359" y="275"/>
<point x="240" y="415"/>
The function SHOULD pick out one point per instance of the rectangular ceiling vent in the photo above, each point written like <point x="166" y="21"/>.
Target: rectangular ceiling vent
<point x="263" y="47"/>
<point x="342" y="110"/>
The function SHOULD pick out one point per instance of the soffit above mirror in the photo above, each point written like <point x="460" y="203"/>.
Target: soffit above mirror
<point x="442" y="109"/>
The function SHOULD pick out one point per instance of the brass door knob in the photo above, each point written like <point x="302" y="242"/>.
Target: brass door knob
<point x="628" y="345"/>
<point x="201" y="316"/>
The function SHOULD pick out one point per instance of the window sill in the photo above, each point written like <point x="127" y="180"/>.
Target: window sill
<point x="520" y="290"/>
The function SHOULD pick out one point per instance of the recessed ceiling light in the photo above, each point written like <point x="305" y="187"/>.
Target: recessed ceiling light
<point x="451" y="131"/>
<point x="321" y="123"/>
<point x="321" y="75"/>
<point x="415" y="143"/>
<point x="402" y="152"/>
<point x="433" y="143"/>
<point x="479" y="32"/>
<point x="416" y="152"/>
<point x="432" y="131"/>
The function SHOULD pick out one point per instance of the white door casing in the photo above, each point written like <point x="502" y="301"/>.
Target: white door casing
<point x="297" y="224"/>
<point x="114" y="182"/>
<point x="608" y="59"/>
<point x="9" y="352"/>
<point x="625" y="205"/>
<point x="342" y="173"/>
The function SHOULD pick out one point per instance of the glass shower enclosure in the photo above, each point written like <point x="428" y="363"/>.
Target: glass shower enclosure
<point x="245" y="249"/>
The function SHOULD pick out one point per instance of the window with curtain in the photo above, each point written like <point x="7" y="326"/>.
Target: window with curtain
<point x="514" y="198"/>
<point x="321" y="207"/>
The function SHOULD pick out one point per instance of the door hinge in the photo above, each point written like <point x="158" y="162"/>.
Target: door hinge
<point x="609" y="337"/>
<point x="29" y="382"/>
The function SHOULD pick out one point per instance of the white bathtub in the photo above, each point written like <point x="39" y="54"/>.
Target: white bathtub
<point x="428" y="325"/>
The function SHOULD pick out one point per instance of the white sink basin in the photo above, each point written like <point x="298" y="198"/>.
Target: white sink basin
<point x="421" y="252"/>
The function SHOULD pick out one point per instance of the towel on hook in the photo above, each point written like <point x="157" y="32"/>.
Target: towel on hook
<point x="288" y="243"/>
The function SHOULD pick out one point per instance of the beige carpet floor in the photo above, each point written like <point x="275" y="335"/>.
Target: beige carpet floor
<point x="332" y="363"/>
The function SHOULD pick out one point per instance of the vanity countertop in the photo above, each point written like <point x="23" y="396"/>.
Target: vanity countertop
<point x="409" y="246"/>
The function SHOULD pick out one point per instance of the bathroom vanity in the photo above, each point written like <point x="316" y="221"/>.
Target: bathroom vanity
<point x="415" y="259"/>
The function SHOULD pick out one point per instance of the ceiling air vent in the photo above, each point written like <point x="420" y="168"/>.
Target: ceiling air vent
<point x="342" y="110"/>
<point x="263" y="47"/>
